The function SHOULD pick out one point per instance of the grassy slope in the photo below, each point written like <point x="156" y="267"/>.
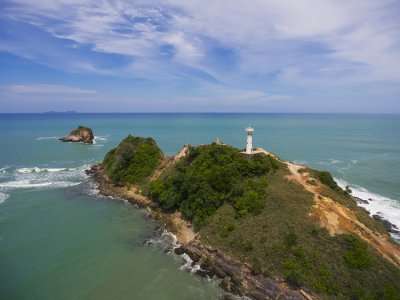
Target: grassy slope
<point x="247" y="208"/>
<point x="283" y="241"/>
<point x="280" y="239"/>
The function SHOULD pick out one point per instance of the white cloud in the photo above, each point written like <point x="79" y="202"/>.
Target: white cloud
<point x="46" y="89"/>
<point x="323" y="41"/>
<point x="186" y="51"/>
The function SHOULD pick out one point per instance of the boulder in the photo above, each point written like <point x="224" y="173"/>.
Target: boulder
<point x="79" y="135"/>
<point x="179" y="250"/>
<point x="392" y="228"/>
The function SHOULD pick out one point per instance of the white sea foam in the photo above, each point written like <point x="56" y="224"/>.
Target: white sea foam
<point x="383" y="206"/>
<point x="334" y="161"/>
<point x="3" y="171"/>
<point x="188" y="262"/>
<point x="26" y="184"/>
<point x="41" y="170"/>
<point x="300" y="162"/>
<point x="101" y="138"/>
<point x="3" y="197"/>
<point x="22" y="184"/>
<point x="41" y="138"/>
<point x="43" y="178"/>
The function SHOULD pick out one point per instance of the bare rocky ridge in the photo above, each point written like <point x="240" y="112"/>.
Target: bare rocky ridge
<point x="79" y="135"/>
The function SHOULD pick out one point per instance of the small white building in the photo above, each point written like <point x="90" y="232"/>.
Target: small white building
<point x="249" y="144"/>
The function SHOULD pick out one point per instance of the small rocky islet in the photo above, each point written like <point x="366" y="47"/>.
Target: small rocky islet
<point x="81" y="134"/>
<point x="268" y="228"/>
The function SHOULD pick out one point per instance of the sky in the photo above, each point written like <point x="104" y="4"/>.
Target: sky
<point x="291" y="56"/>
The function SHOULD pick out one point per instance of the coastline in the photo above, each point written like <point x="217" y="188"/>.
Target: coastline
<point x="379" y="207"/>
<point x="236" y="278"/>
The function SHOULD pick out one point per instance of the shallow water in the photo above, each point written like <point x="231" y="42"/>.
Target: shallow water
<point x="59" y="240"/>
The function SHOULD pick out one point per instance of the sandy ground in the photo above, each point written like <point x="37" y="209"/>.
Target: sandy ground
<point x="338" y="219"/>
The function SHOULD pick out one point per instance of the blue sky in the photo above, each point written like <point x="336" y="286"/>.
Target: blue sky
<point x="200" y="56"/>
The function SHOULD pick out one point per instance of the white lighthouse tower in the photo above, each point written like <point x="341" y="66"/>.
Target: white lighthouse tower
<point x="249" y="145"/>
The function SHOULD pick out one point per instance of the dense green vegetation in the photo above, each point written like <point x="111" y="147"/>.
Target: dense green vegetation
<point x="245" y="206"/>
<point x="283" y="241"/>
<point x="133" y="161"/>
<point x="210" y="176"/>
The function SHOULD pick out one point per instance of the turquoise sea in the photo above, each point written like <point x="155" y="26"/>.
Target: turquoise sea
<point x="60" y="240"/>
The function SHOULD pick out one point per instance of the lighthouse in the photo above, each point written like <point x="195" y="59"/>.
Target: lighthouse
<point x="249" y="145"/>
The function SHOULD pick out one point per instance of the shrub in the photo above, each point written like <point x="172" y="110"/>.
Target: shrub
<point x="357" y="255"/>
<point x="133" y="160"/>
<point x="249" y="202"/>
<point x="212" y="175"/>
<point x="292" y="273"/>
<point x="327" y="179"/>
<point x="291" y="239"/>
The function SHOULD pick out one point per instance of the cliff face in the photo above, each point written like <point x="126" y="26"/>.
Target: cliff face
<point x="267" y="227"/>
<point x="81" y="134"/>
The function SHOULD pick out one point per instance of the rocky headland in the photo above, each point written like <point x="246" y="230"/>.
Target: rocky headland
<point x="267" y="228"/>
<point x="81" y="134"/>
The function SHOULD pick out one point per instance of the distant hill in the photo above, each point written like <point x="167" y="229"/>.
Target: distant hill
<point x="61" y="112"/>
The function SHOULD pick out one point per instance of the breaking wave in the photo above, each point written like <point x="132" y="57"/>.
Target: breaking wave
<point x="98" y="138"/>
<point x="3" y="170"/>
<point x="40" y="178"/>
<point x="41" y="138"/>
<point x="165" y="240"/>
<point x="26" y="184"/>
<point x="40" y="170"/>
<point x="168" y="242"/>
<point x="101" y="138"/>
<point x="3" y="197"/>
<point x="385" y="207"/>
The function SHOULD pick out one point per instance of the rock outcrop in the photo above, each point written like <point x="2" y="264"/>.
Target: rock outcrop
<point x="238" y="278"/>
<point x="81" y="134"/>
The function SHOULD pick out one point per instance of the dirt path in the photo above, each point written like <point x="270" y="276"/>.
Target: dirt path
<point x="338" y="219"/>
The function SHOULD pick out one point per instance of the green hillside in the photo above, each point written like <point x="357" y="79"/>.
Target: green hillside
<point x="247" y="207"/>
<point x="133" y="160"/>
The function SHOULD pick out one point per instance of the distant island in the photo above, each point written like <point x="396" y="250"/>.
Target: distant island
<point x="268" y="228"/>
<point x="52" y="112"/>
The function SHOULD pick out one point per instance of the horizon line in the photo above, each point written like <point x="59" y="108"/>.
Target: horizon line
<point x="216" y="112"/>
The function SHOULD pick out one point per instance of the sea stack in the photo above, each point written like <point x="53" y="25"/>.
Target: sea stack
<point x="81" y="134"/>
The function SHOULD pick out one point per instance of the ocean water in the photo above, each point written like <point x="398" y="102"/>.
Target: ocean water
<point x="60" y="240"/>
